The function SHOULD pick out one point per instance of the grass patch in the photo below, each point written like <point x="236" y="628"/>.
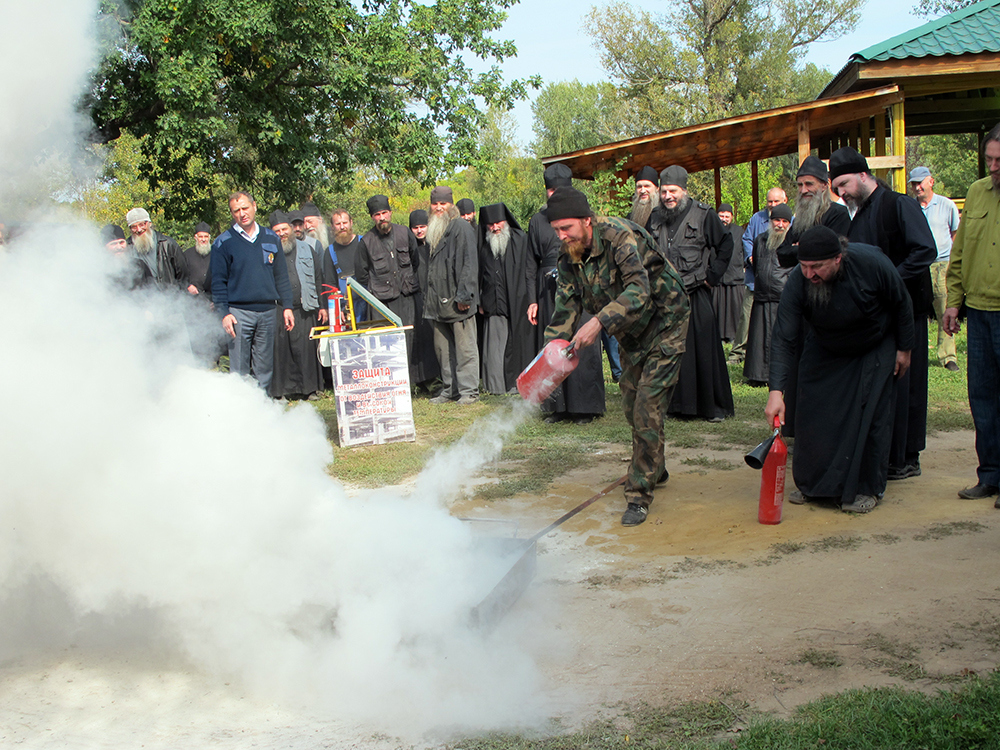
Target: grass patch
<point x="704" y="462"/>
<point x="942" y="530"/>
<point x="820" y="659"/>
<point x="864" y="719"/>
<point x="695" y="565"/>
<point x="835" y="543"/>
<point x="885" y="538"/>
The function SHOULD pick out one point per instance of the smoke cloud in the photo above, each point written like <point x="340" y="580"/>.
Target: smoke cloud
<point x="148" y="505"/>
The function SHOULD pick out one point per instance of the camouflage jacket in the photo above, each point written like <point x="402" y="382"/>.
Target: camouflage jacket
<point x="626" y="282"/>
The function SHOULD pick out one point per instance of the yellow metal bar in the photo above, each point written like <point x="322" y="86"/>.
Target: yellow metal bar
<point x="898" y="146"/>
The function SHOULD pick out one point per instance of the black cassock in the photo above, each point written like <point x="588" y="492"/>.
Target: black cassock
<point x="507" y="287"/>
<point x="297" y="369"/>
<point x="843" y="423"/>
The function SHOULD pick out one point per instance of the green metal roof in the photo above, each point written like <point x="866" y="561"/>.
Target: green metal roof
<point x="972" y="29"/>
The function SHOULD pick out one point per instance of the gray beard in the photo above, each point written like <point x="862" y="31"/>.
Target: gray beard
<point x="775" y="237"/>
<point x="320" y="233"/>
<point x="499" y="241"/>
<point x="438" y="225"/>
<point x="144" y="243"/>
<point x="673" y="215"/>
<point x="202" y="248"/>
<point x="288" y="244"/>
<point x="810" y="210"/>
<point x="641" y="209"/>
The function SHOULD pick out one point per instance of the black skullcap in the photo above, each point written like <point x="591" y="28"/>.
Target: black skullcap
<point x="674" y="175"/>
<point x="442" y="194"/>
<point x="493" y="213"/>
<point x="377" y="203"/>
<point x="278" y="217"/>
<point x="725" y="207"/>
<point x="557" y="175"/>
<point x="567" y="203"/>
<point x="813" y="167"/>
<point x="296" y="216"/>
<point x="112" y="232"/>
<point x="465" y="206"/>
<point x="309" y="209"/>
<point x="819" y="243"/>
<point x="418" y="218"/>
<point x="649" y="174"/>
<point x="202" y="226"/>
<point x="846" y="161"/>
<point x="781" y="211"/>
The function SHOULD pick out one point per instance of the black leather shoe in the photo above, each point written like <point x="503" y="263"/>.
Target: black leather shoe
<point x="979" y="492"/>
<point x="634" y="515"/>
<point x="553" y="418"/>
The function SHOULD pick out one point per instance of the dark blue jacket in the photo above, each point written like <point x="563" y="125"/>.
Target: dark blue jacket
<point x="249" y="275"/>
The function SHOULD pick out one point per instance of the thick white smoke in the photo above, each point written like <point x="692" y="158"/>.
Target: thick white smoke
<point x="148" y="504"/>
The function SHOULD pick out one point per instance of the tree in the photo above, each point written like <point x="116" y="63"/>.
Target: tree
<point x="952" y="159"/>
<point x="710" y="59"/>
<point x="283" y="96"/>
<point x="936" y="8"/>
<point x="569" y="115"/>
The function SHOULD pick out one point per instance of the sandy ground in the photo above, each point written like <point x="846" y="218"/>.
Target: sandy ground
<point x="698" y="602"/>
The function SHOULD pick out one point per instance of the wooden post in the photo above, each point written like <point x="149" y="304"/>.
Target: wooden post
<point x="880" y="141"/>
<point x="866" y="137"/>
<point x="755" y="185"/>
<point x="805" y="147"/>
<point x="718" y="186"/>
<point x="899" y="146"/>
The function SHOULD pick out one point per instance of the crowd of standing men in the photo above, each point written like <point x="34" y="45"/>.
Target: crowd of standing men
<point x="828" y="307"/>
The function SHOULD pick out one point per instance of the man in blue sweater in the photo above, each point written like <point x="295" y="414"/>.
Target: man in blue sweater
<point x="249" y="278"/>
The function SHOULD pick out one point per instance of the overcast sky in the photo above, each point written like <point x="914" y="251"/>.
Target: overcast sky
<point x="551" y="42"/>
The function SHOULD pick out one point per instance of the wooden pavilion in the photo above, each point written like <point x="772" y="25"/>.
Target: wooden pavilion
<point x="941" y="77"/>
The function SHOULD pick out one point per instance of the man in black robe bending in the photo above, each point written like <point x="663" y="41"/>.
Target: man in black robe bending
<point x="858" y="324"/>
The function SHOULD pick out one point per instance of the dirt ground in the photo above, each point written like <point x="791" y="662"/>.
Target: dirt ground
<point x="702" y="601"/>
<point x="699" y="602"/>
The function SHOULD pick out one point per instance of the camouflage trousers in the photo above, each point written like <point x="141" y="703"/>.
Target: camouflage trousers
<point x="646" y="384"/>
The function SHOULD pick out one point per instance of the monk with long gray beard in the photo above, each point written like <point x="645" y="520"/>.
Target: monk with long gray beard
<point x="646" y="198"/>
<point x="452" y="298"/>
<point x="506" y="288"/>
<point x="297" y="370"/>
<point x="813" y="207"/>
<point x="855" y="318"/>
<point x="769" y="281"/>
<point x="158" y="252"/>
<point x="315" y="227"/>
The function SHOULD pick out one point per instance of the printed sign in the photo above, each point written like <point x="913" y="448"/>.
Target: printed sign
<point x="371" y="382"/>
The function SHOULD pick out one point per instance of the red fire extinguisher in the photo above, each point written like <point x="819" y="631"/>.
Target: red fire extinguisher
<point x="551" y="367"/>
<point x="772" y="479"/>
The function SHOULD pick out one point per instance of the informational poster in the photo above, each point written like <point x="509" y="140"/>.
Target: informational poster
<point x="371" y="381"/>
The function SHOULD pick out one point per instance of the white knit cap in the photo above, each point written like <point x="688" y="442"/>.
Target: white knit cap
<point x="136" y="215"/>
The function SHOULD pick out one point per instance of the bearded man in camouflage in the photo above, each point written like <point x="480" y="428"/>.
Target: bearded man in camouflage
<point x="613" y="269"/>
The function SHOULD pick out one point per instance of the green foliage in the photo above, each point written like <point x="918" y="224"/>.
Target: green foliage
<point x="569" y="116"/>
<point x="704" y="60"/>
<point x="283" y="96"/>
<point x="952" y="159"/>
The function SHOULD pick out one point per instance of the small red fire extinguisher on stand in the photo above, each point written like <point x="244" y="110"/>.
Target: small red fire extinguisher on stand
<point x="335" y="305"/>
<point x="771" y="456"/>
